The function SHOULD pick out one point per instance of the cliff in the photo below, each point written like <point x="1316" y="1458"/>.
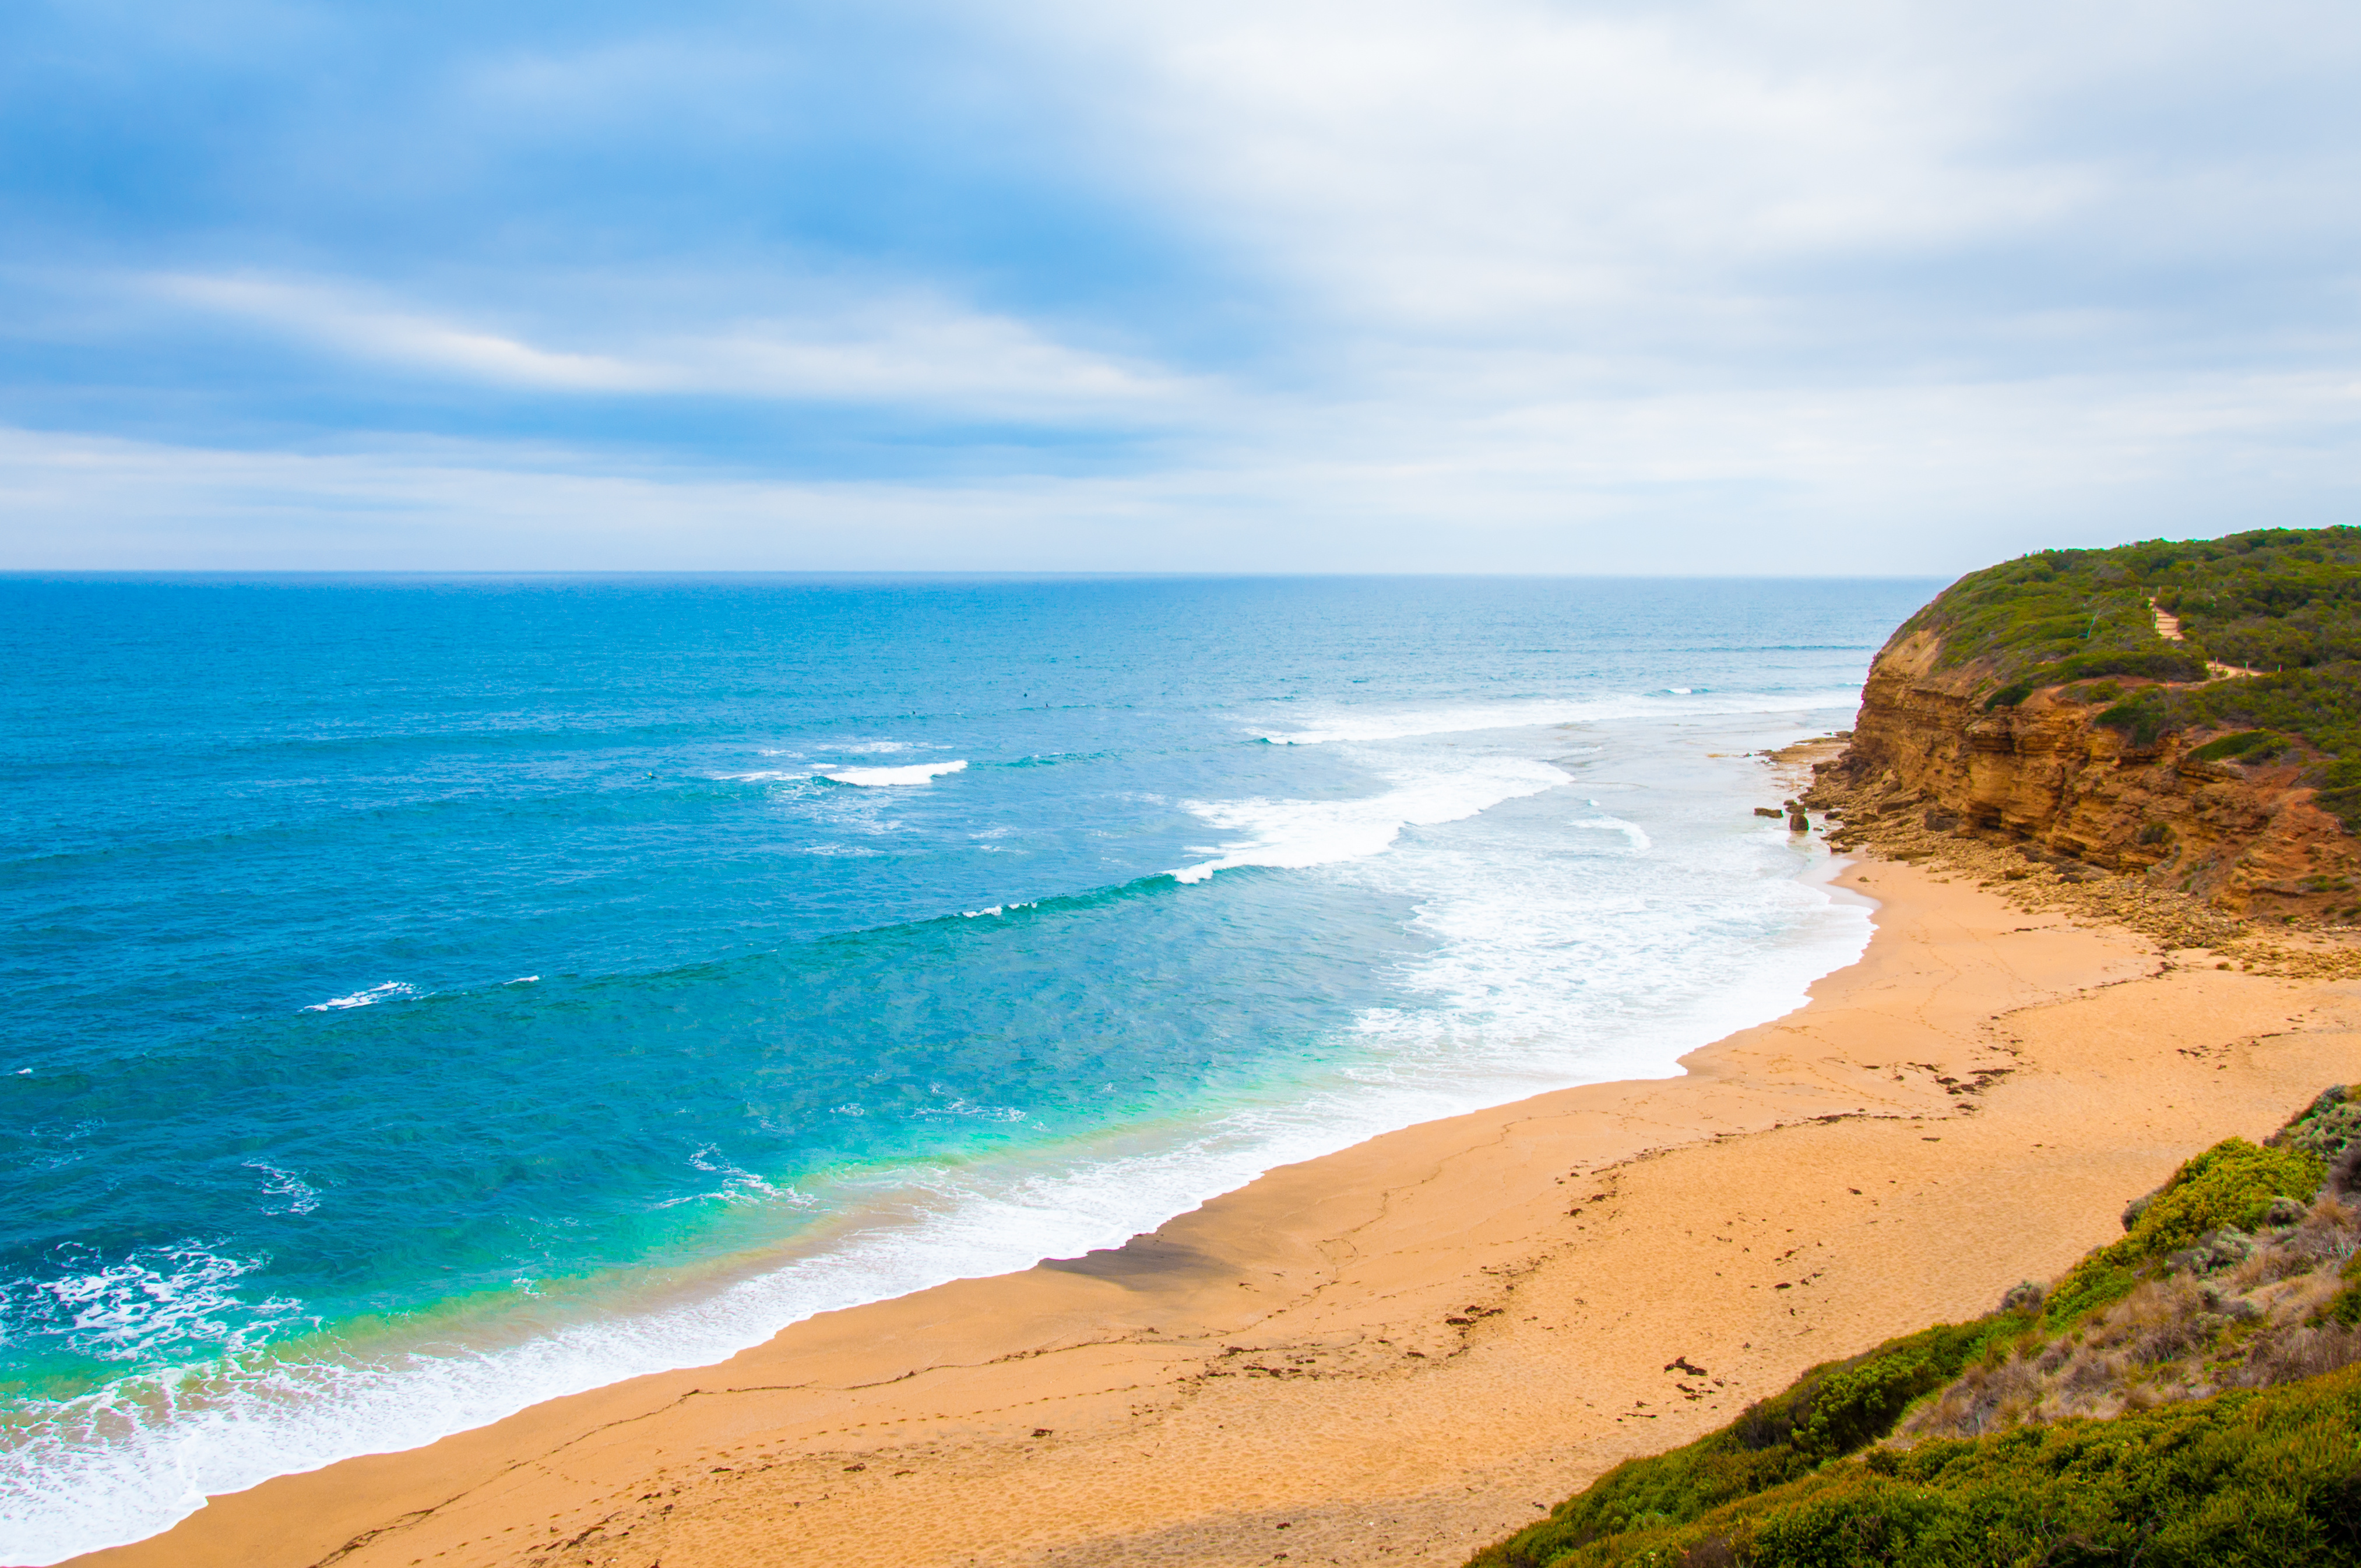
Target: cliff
<point x="2245" y="835"/>
<point x="2076" y="745"/>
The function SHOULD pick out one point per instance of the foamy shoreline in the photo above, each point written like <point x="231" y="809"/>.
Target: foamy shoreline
<point x="1415" y="1330"/>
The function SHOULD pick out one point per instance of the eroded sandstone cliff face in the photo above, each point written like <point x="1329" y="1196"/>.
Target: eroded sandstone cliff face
<point x="2044" y="775"/>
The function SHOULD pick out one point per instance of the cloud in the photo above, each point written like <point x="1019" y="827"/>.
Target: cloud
<point x="1734" y="186"/>
<point x="322" y="317"/>
<point x="1395" y="283"/>
<point x="910" y="349"/>
<point x="1939" y="479"/>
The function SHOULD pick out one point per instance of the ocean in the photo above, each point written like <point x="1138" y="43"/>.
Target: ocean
<point x="430" y="995"/>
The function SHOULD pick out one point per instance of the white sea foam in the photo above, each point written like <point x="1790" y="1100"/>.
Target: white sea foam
<point x="1595" y="959"/>
<point x="283" y="1191"/>
<point x="916" y="774"/>
<point x="957" y="1106"/>
<point x="1395" y="723"/>
<point x="1630" y="830"/>
<point x="1298" y="833"/>
<point x="1554" y="957"/>
<point x="176" y="1299"/>
<point x="850" y="748"/>
<point x="390" y="991"/>
<point x="996" y="909"/>
<point x="739" y="1185"/>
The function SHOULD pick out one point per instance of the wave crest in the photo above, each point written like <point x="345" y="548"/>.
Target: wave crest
<point x="1293" y="834"/>
<point x="872" y="778"/>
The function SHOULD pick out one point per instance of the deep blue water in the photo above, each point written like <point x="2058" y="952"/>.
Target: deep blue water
<point x="406" y="976"/>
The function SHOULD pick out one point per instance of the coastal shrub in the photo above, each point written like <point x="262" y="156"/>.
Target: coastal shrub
<point x="2029" y="612"/>
<point x="2326" y="1127"/>
<point x="2083" y="666"/>
<point x="2143" y="718"/>
<point x="2340" y="792"/>
<point x="2320" y="707"/>
<point x="2150" y="664"/>
<point x="2253" y="1477"/>
<point x="2344" y="1307"/>
<point x="2236" y="745"/>
<point x="2228" y="1187"/>
<point x="2089" y="1285"/>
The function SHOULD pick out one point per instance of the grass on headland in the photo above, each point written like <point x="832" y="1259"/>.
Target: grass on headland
<point x="2215" y="1342"/>
<point x="2276" y="598"/>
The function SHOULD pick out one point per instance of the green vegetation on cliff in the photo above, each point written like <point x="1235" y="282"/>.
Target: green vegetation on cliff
<point x="2230" y="1186"/>
<point x="2312" y="712"/>
<point x="2230" y="1432"/>
<point x="2278" y="597"/>
<point x="2285" y="602"/>
<point x="2261" y="1476"/>
<point x="2267" y="1477"/>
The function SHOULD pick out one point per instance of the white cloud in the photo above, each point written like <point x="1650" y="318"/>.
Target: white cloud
<point x="1495" y="284"/>
<point x="918" y="351"/>
<point x="330" y="319"/>
<point x="1855" y="481"/>
<point x="1480" y="161"/>
<point x="892" y="349"/>
<point x="1712" y="178"/>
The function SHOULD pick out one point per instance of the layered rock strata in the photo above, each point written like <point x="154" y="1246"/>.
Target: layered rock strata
<point x="2044" y="776"/>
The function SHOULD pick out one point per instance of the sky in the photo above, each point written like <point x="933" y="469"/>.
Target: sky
<point x="1691" y="286"/>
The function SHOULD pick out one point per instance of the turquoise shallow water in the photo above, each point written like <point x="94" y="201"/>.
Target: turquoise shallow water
<point x="430" y="995"/>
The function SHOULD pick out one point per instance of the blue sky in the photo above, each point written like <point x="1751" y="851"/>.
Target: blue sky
<point x="1673" y="287"/>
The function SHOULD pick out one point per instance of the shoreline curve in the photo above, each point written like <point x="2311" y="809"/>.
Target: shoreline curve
<point x="1397" y="1352"/>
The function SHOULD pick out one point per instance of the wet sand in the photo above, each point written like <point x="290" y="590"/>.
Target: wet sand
<point x="1397" y="1353"/>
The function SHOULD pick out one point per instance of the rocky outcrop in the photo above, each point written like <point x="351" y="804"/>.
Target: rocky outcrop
<point x="2044" y="776"/>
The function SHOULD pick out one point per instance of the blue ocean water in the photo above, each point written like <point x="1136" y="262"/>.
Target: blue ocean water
<point x="430" y="995"/>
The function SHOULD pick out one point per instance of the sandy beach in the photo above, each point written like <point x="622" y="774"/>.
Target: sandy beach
<point x="1401" y="1350"/>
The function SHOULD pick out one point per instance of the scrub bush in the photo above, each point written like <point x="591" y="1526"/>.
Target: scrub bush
<point x="2228" y="1187"/>
<point x="2252" y="1477"/>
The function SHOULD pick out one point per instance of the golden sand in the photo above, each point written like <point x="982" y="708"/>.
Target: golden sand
<point x="1397" y="1353"/>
